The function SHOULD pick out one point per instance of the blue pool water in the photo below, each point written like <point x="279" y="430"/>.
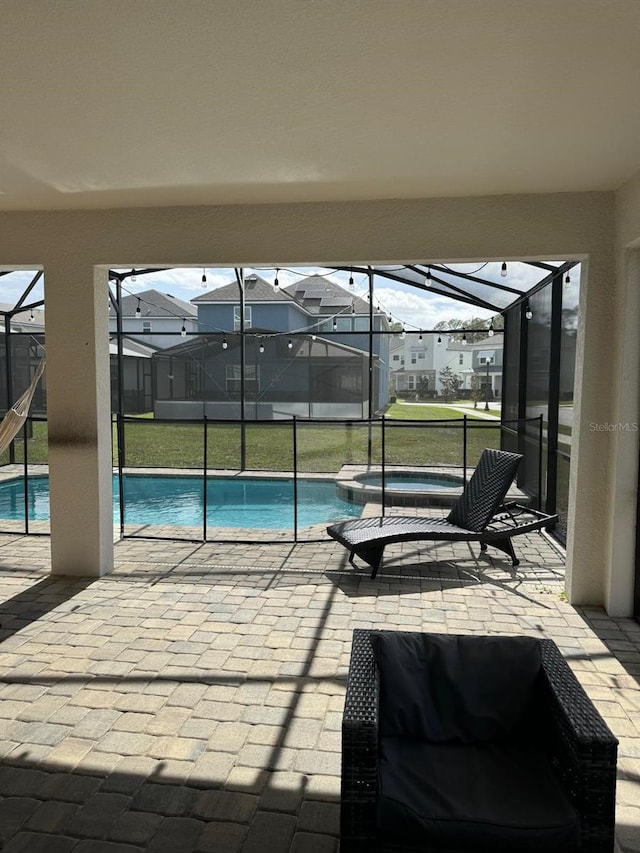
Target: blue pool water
<point x="231" y="502"/>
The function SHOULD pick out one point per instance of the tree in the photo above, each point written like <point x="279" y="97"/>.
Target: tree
<point x="422" y="387"/>
<point x="450" y="382"/>
<point x="454" y="326"/>
<point x="476" y="389"/>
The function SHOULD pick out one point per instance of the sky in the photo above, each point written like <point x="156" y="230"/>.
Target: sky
<point x="410" y="306"/>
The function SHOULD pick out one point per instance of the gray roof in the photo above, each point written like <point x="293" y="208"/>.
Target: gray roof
<point x="132" y="346"/>
<point x="23" y="318"/>
<point x="256" y="289"/>
<point x="320" y="295"/>
<point x="316" y="294"/>
<point x="156" y="304"/>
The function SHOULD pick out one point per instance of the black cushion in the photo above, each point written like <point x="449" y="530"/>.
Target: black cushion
<point x="449" y="688"/>
<point x="484" y="797"/>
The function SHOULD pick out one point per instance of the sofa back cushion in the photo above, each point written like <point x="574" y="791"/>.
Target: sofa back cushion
<point x="447" y="688"/>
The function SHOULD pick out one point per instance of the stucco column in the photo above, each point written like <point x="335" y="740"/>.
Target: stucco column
<point x="591" y="475"/>
<point x="79" y="419"/>
<point x="620" y="578"/>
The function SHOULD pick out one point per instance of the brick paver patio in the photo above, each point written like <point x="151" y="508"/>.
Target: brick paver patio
<point x="191" y="701"/>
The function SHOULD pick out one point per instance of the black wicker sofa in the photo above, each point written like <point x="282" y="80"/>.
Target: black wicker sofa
<point x="470" y="744"/>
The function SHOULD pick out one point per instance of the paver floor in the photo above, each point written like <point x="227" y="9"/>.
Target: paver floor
<point x="191" y="700"/>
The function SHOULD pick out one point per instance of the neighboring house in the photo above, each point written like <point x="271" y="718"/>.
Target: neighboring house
<point x="413" y="359"/>
<point x="306" y="353"/>
<point x="487" y="363"/>
<point x="417" y="357"/>
<point x="156" y="319"/>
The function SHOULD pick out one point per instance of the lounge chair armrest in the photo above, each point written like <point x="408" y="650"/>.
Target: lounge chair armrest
<point x="359" y="747"/>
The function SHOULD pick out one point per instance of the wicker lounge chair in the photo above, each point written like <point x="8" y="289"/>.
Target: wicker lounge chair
<point x="471" y="743"/>
<point x="479" y="515"/>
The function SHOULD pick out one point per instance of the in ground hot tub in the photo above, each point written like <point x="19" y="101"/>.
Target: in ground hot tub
<point x="402" y="487"/>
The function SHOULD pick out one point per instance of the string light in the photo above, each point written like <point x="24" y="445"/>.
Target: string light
<point x="528" y="312"/>
<point x="133" y="276"/>
<point x="503" y="269"/>
<point x="403" y="334"/>
<point x="276" y="281"/>
<point x="568" y="278"/>
<point x="351" y="282"/>
<point x="261" y="348"/>
<point x="289" y="344"/>
<point x="204" y="277"/>
<point x="464" y="339"/>
<point x="32" y="319"/>
<point x="183" y="330"/>
<point x="491" y="330"/>
<point x="353" y="308"/>
<point x="427" y="279"/>
<point x="420" y="336"/>
<point x="313" y="337"/>
<point x="439" y="341"/>
<point x="335" y="324"/>
<point x="138" y="309"/>
<point x="225" y="343"/>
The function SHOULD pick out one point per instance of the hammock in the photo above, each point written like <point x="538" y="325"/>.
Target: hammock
<point x="16" y="416"/>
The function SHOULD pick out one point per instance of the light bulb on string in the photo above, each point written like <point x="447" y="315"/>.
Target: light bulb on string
<point x="32" y="318"/>
<point x="225" y="343"/>
<point x="204" y="277"/>
<point x="568" y="278"/>
<point x="491" y="330"/>
<point x="351" y="282"/>
<point x="427" y="279"/>
<point x="276" y="281"/>
<point x="138" y="310"/>
<point x="464" y="339"/>
<point x="439" y="341"/>
<point x="183" y="330"/>
<point x="261" y="348"/>
<point x="528" y="312"/>
<point x="289" y="344"/>
<point x="133" y="276"/>
<point x="503" y="269"/>
<point x="335" y="324"/>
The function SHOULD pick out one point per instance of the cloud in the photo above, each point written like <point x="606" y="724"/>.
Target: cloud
<point x="14" y="284"/>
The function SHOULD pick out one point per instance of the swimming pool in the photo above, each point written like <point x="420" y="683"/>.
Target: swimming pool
<point x="236" y="502"/>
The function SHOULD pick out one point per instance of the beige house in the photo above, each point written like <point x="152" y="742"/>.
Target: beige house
<point x="388" y="133"/>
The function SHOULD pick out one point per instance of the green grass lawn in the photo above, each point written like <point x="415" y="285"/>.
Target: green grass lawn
<point x="269" y="447"/>
<point x="428" y="412"/>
